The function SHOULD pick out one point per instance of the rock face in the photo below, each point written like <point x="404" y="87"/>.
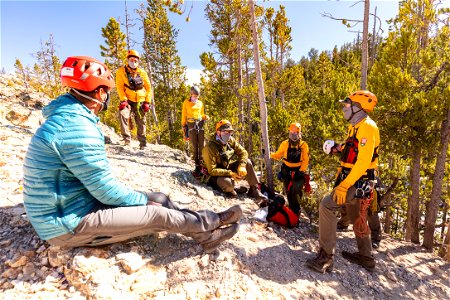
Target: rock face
<point x="260" y="262"/>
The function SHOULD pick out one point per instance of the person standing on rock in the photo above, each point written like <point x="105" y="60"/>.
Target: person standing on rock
<point x="227" y="161"/>
<point x="192" y="120"/>
<point x="332" y="148"/>
<point x="295" y="154"/>
<point x="72" y="198"/>
<point x="354" y="186"/>
<point x="134" y="90"/>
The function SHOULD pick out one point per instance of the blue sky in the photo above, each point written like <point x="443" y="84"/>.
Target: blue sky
<point x="76" y="27"/>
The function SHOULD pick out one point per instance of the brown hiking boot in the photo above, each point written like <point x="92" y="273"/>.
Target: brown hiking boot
<point x="230" y="216"/>
<point x="218" y="236"/>
<point x="341" y="227"/>
<point x="322" y="263"/>
<point x="241" y="189"/>
<point x="254" y="192"/>
<point x="367" y="262"/>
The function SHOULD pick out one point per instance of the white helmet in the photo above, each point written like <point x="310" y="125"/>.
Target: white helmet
<point x="328" y="145"/>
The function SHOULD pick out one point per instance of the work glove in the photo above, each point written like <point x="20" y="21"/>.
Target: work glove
<point x="145" y="106"/>
<point x="242" y="171"/>
<point x="307" y="186"/>
<point x="235" y="176"/>
<point x="123" y="104"/>
<point x="340" y="193"/>
<point x="205" y="118"/>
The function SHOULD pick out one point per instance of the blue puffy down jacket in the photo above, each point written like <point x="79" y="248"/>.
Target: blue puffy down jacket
<point x="66" y="172"/>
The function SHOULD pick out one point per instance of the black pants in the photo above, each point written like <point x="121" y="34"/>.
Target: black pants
<point x="293" y="186"/>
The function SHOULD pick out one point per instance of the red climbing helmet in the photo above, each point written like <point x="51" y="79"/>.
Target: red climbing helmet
<point x="85" y="73"/>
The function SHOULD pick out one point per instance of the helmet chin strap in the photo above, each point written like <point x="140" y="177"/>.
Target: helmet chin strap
<point x="87" y="97"/>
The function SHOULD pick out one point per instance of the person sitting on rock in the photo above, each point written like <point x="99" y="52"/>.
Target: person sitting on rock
<point x="227" y="161"/>
<point x="72" y="198"/>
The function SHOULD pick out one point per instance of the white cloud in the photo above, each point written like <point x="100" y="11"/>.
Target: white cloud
<point x="193" y="76"/>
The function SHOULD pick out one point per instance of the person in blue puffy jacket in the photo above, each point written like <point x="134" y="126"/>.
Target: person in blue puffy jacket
<point x="72" y="198"/>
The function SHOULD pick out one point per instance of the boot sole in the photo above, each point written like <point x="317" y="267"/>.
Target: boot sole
<point x="211" y="246"/>
<point x="237" y="215"/>
<point x="357" y="262"/>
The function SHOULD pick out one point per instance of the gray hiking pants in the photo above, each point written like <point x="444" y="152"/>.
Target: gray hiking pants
<point x="111" y="224"/>
<point x="328" y="210"/>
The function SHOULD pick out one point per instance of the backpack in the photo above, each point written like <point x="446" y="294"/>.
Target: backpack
<point x="136" y="82"/>
<point x="279" y="213"/>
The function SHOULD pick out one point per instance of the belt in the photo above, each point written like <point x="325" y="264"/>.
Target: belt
<point x="370" y="174"/>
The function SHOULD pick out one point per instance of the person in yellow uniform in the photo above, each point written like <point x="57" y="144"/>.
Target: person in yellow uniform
<point x="295" y="155"/>
<point x="192" y="119"/>
<point x="330" y="147"/>
<point x="134" y="89"/>
<point x="354" y="185"/>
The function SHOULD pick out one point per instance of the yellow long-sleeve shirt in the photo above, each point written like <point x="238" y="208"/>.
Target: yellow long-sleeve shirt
<point x="192" y="111"/>
<point x="282" y="154"/>
<point x="368" y="137"/>
<point x="125" y="93"/>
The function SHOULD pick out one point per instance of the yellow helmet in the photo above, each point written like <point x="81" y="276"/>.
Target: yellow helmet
<point x="133" y="53"/>
<point x="295" y="127"/>
<point x="366" y="99"/>
<point x="224" y="125"/>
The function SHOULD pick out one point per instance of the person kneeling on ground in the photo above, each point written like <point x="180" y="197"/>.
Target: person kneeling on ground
<point x="72" y="198"/>
<point x="227" y="161"/>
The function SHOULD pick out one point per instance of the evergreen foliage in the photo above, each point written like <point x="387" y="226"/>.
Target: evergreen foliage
<point x="409" y="73"/>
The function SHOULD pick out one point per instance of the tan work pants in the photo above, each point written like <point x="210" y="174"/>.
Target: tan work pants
<point x="328" y="210"/>
<point x="226" y="184"/>
<point x="372" y="218"/>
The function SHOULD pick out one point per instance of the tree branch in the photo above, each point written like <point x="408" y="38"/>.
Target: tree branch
<point x="435" y="78"/>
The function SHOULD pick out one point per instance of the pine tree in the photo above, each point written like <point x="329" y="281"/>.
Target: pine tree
<point x="115" y="49"/>
<point x="48" y="67"/>
<point x="167" y="72"/>
<point x="410" y="108"/>
<point x="22" y="72"/>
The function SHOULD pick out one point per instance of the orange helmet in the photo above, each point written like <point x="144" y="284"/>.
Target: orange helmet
<point x="133" y="53"/>
<point x="224" y="125"/>
<point x="295" y="127"/>
<point x="85" y="73"/>
<point x="366" y="99"/>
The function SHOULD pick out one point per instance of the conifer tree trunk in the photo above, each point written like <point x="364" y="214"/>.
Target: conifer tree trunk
<point x="388" y="215"/>
<point x="444" y="252"/>
<point x="413" y="215"/>
<point x="444" y="219"/>
<point x="436" y="192"/>
<point x="261" y="96"/>
<point x="374" y="39"/>
<point x="386" y="200"/>
<point x="365" y="42"/>
<point x="238" y="95"/>
<point x="153" y="106"/>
